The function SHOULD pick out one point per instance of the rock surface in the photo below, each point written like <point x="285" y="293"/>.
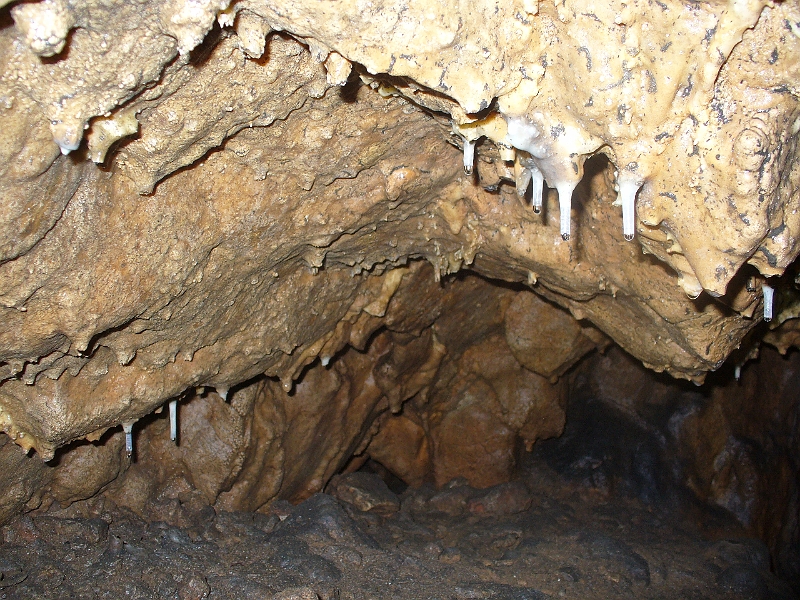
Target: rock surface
<point x="559" y="540"/>
<point x="727" y="444"/>
<point x="234" y="205"/>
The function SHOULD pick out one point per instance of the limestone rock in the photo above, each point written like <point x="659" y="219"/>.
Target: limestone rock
<point x="402" y="446"/>
<point x="732" y="443"/>
<point x="271" y="175"/>
<point x="86" y="469"/>
<point x="23" y="479"/>
<point x="479" y="392"/>
<point x="785" y="337"/>
<point x="504" y="499"/>
<point x="493" y="399"/>
<point x="475" y="417"/>
<point x="670" y="99"/>
<point x="542" y="338"/>
<point x="365" y="491"/>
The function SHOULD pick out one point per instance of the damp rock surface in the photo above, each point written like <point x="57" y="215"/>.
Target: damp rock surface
<point x="559" y="540"/>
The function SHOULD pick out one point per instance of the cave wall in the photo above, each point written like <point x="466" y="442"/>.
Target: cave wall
<point x="263" y="442"/>
<point x="732" y="444"/>
<point x="240" y="196"/>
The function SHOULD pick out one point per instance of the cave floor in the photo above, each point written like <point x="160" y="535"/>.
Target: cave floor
<point x="537" y="537"/>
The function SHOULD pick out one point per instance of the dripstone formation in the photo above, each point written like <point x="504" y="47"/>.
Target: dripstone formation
<point x="266" y="211"/>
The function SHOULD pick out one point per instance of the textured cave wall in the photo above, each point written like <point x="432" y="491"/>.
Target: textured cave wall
<point x="199" y="195"/>
<point x="735" y="444"/>
<point x="263" y="442"/>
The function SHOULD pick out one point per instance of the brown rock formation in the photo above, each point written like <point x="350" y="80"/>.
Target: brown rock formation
<point x="733" y="444"/>
<point x="265" y="442"/>
<point x="254" y="207"/>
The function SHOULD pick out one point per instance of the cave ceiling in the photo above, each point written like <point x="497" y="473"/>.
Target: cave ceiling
<point x="196" y="193"/>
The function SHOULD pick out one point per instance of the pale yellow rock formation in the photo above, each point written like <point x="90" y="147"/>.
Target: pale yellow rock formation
<point x="661" y="88"/>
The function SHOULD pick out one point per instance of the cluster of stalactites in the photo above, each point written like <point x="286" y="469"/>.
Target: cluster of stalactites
<point x="542" y="157"/>
<point x="547" y="157"/>
<point x="172" y="407"/>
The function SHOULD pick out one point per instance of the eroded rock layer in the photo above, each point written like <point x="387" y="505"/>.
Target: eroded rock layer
<point x="203" y="194"/>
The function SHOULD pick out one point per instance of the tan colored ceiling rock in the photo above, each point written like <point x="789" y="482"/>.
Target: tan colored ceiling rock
<point x="662" y="88"/>
<point x="249" y="213"/>
<point x="785" y="337"/>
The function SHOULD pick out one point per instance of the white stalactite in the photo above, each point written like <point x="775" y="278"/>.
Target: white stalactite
<point x="537" y="185"/>
<point x="628" y="189"/>
<point x="469" y="156"/>
<point x="769" y="294"/>
<point x="128" y="429"/>
<point x="565" y="189"/>
<point x="173" y="420"/>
